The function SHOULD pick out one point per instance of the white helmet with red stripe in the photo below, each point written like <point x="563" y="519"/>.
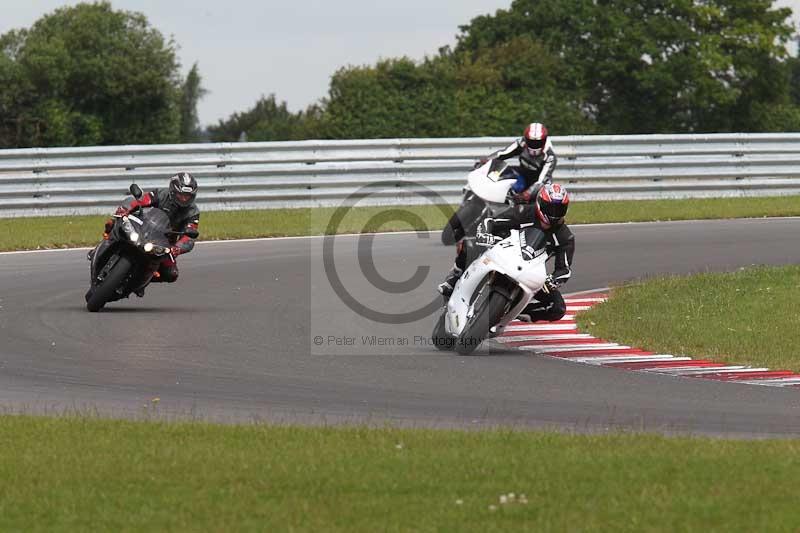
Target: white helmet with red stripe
<point x="535" y="138"/>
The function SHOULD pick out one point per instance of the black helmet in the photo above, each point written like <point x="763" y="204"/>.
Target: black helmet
<point x="182" y="189"/>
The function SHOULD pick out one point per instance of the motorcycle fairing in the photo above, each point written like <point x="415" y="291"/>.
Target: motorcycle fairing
<point x="492" y="181"/>
<point x="505" y="258"/>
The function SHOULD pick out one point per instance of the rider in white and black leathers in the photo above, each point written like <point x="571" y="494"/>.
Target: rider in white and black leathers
<point x="537" y="160"/>
<point x="546" y="213"/>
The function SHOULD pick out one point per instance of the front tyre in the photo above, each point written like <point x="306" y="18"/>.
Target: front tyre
<point x="441" y="339"/>
<point x="104" y="291"/>
<point x="477" y="329"/>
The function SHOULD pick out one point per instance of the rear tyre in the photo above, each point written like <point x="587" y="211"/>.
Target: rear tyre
<point x="441" y="339"/>
<point x="464" y="217"/>
<point x="104" y="291"/>
<point x="489" y="314"/>
<point x="453" y="231"/>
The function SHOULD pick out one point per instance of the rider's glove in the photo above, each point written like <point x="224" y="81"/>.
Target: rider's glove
<point x="486" y="239"/>
<point x="121" y="212"/>
<point x="480" y="162"/>
<point x="550" y="284"/>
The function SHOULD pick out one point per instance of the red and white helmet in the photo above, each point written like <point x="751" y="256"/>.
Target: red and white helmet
<point x="535" y="138"/>
<point x="552" y="203"/>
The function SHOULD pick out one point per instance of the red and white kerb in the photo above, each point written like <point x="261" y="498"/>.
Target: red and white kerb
<point x="563" y="340"/>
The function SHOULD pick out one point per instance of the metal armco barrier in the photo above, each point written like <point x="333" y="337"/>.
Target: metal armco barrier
<point x="53" y="181"/>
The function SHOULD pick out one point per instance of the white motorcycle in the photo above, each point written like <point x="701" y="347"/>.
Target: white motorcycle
<point x="493" y="291"/>
<point x="488" y="190"/>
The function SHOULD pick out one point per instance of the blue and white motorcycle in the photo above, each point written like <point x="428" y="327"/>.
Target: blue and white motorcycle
<point x="489" y="189"/>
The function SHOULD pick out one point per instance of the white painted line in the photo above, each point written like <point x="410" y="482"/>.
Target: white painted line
<point x="544" y="327"/>
<point x="683" y="371"/>
<point x="225" y="241"/>
<point x="636" y="359"/>
<point x="564" y="337"/>
<point x="578" y="301"/>
<point x="579" y="348"/>
<point x="19" y="252"/>
<point x="777" y="382"/>
<point x="601" y="290"/>
<point x="577" y="308"/>
<point x="306" y="237"/>
<point x="746" y="370"/>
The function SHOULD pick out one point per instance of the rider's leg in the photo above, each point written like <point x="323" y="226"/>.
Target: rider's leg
<point x="167" y="271"/>
<point x="446" y="288"/>
<point x="547" y="306"/>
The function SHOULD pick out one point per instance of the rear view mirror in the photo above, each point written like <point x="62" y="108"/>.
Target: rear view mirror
<point x="192" y="233"/>
<point x="136" y="191"/>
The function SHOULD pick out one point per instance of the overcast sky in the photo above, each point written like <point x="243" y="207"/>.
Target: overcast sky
<point x="246" y="48"/>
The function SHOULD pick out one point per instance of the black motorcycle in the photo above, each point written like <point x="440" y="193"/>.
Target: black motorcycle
<point x="129" y="255"/>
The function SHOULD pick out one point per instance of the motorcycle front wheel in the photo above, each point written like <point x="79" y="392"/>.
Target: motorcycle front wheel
<point x="104" y="291"/>
<point x="441" y="339"/>
<point x="477" y="329"/>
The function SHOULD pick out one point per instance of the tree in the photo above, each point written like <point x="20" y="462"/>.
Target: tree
<point x="89" y="75"/>
<point x="16" y="98"/>
<point x="267" y="120"/>
<point x="494" y="91"/>
<point x="191" y="93"/>
<point x="655" y="65"/>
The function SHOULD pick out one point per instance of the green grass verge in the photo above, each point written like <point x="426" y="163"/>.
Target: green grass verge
<point x="58" y="232"/>
<point x="68" y="474"/>
<point x="746" y="317"/>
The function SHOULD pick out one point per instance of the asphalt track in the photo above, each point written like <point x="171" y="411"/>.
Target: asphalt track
<point x="233" y="340"/>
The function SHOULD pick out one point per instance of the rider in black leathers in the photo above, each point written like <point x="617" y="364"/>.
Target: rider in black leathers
<point x="546" y="213"/>
<point x="178" y="201"/>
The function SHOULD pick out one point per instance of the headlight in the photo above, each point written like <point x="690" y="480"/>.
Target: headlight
<point x="148" y="247"/>
<point x="127" y="227"/>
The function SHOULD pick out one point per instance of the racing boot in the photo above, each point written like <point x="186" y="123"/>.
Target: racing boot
<point x="446" y="288"/>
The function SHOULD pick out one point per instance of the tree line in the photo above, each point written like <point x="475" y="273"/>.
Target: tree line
<point x="92" y="75"/>
<point x="580" y="66"/>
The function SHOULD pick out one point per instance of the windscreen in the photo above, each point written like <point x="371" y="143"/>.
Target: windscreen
<point x="155" y="225"/>
<point x="500" y="170"/>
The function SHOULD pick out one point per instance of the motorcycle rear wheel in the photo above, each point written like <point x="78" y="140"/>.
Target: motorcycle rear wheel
<point x="104" y="291"/>
<point x="453" y="231"/>
<point x="462" y="220"/>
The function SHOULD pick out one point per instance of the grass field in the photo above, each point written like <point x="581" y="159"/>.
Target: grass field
<point x="748" y="317"/>
<point x="67" y="474"/>
<point x="84" y="473"/>
<point x="56" y="232"/>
